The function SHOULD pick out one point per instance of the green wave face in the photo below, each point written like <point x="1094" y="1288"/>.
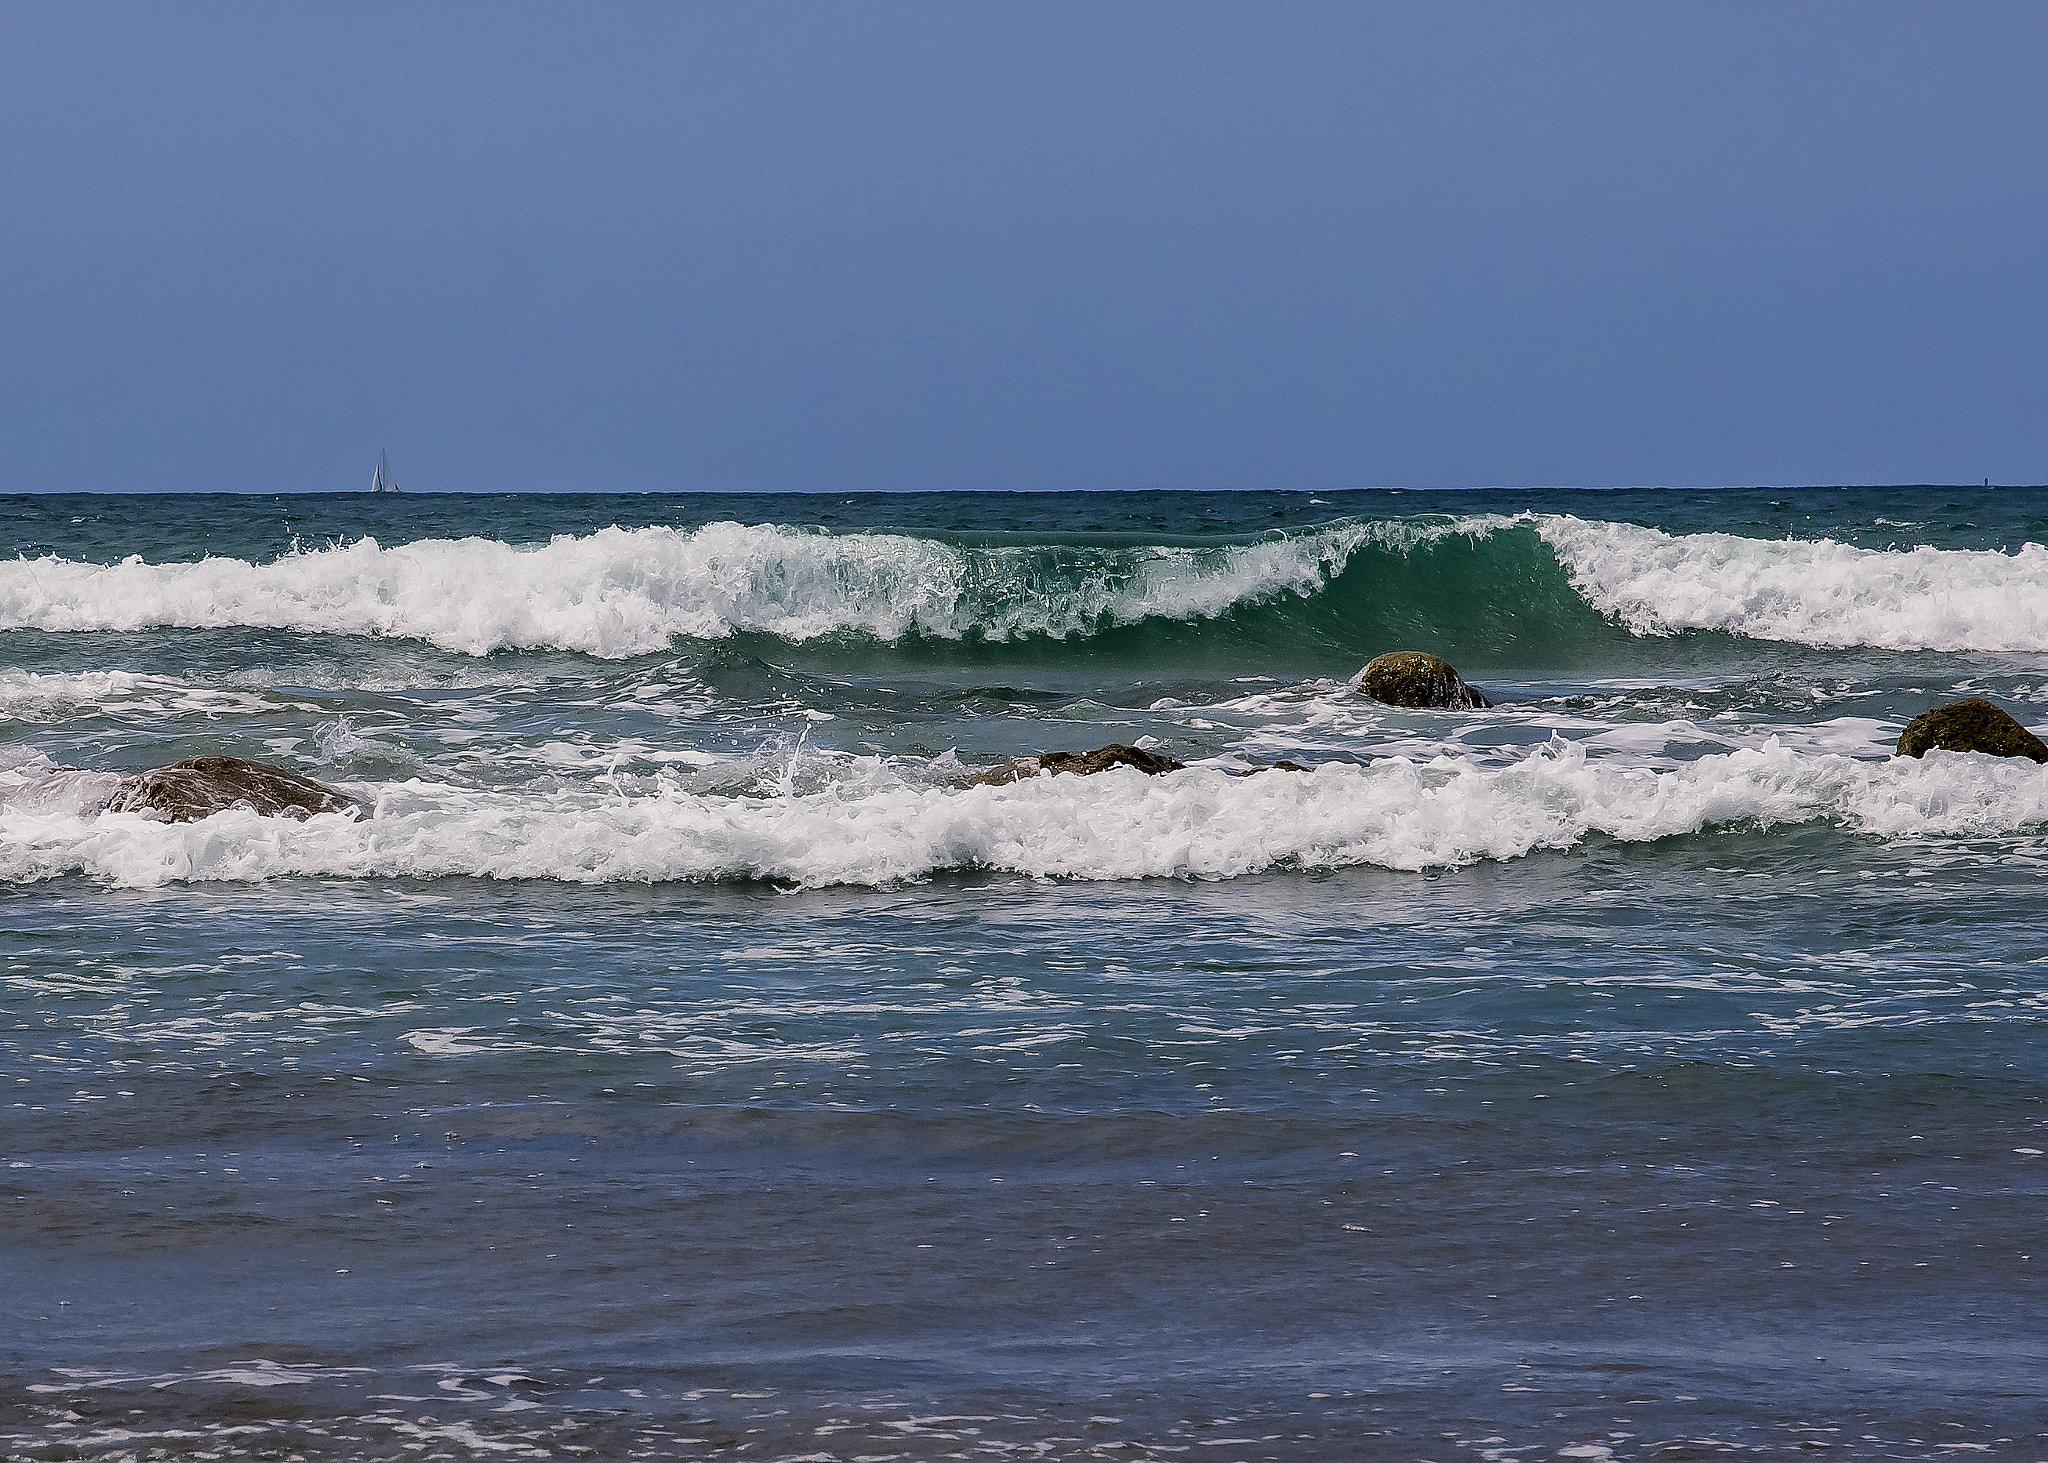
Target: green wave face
<point x="1478" y="596"/>
<point x="1482" y="593"/>
<point x="1525" y="592"/>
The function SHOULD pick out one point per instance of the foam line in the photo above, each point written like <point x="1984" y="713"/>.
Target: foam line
<point x="875" y="827"/>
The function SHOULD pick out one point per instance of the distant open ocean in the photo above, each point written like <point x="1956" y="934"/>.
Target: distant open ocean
<point x="680" y="1065"/>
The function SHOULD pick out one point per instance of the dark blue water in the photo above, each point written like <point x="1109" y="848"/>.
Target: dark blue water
<point x="681" y="1065"/>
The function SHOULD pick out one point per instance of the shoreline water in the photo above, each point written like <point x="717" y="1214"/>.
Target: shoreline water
<point x="1712" y="1119"/>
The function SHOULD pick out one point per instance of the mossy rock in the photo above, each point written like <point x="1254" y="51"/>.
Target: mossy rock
<point x="1974" y="725"/>
<point x="1116" y="754"/>
<point x="199" y="787"/>
<point x="1417" y="678"/>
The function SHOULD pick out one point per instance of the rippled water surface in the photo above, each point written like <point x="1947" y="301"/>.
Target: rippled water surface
<point x="682" y="1064"/>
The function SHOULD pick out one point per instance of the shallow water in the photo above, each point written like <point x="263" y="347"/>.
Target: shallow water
<point x="1650" y="1067"/>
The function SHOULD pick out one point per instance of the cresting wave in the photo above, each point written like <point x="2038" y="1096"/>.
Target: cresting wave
<point x="1469" y="581"/>
<point x="624" y="592"/>
<point x="1812" y="592"/>
<point x="876" y="827"/>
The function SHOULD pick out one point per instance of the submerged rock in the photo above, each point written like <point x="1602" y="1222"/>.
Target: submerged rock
<point x="1417" y="678"/>
<point x="1974" y="725"/>
<point x="1116" y="754"/>
<point x="199" y="787"/>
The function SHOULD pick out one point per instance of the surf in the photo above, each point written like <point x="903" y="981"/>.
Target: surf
<point x="1481" y="586"/>
<point x="1815" y="592"/>
<point x="874" y="821"/>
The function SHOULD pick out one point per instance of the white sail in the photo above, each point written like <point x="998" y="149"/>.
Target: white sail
<point x="382" y="481"/>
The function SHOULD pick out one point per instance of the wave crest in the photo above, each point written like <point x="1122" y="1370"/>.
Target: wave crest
<point x="1810" y="592"/>
<point x="1477" y="585"/>
<point x="624" y="592"/>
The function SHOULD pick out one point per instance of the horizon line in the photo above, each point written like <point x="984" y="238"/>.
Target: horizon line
<point x="1980" y="486"/>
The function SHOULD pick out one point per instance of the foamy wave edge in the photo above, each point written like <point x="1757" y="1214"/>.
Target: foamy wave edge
<point x="1807" y="591"/>
<point x="1201" y="823"/>
<point x="624" y="592"/>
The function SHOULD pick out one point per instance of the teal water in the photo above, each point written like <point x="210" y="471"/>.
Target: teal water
<point x="681" y="1065"/>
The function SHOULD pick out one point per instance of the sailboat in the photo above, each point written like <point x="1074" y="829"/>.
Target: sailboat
<point x="383" y="482"/>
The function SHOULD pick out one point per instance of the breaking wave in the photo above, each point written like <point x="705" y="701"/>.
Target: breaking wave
<point x="1811" y="592"/>
<point x="1466" y="585"/>
<point x="875" y="826"/>
<point x="624" y="592"/>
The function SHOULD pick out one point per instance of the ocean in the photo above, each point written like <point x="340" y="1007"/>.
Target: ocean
<point x="683" y="1064"/>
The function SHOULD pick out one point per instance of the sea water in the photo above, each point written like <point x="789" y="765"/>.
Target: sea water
<point x="682" y="1064"/>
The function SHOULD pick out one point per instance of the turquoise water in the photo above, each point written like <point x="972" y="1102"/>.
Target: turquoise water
<point x="680" y="1064"/>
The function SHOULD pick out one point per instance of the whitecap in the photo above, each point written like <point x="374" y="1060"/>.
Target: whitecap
<point x="1811" y="592"/>
<point x="624" y="592"/>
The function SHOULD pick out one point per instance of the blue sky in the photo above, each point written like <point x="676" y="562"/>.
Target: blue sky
<point x="941" y="246"/>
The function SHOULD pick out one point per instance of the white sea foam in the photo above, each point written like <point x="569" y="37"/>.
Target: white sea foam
<point x="32" y="693"/>
<point x="258" y="1372"/>
<point x="35" y="696"/>
<point x="623" y="592"/>
<point x="1813" y="592"/>
<point x="874" y="826"/>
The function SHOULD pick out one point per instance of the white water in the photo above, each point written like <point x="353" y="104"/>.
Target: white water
<point x="624" y="592"/>
<point x="1810" y="592"/>
<point x="875" y="825"/>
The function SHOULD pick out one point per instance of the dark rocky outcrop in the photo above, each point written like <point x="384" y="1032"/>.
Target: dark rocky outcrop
<point x="1417" y="678"/>
<point x="1116" y="754"/>
<point x="1974" y="725"/>
<point x="199" y="787"/>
